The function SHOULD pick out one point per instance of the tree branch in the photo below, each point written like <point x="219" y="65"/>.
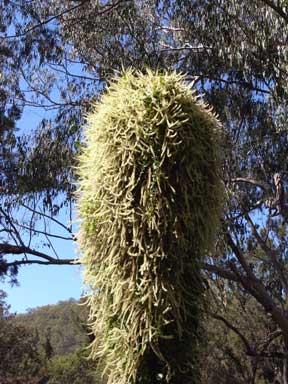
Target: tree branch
<point x="256" y="183"/>
<point x="276" y="8"/>
<point x="48" y="217"/>
<point x="245" y="84"/>
<point x="279" y="201"/>
<point x="184" y="47"/>
<point x="240" y="256"/>
<point x="47" y="21"/>
<point x="235" y="330"/>
<point x="17" y="263"/>
<point x="6" y="248"/>
<point x="225" y="273"/>
<point x="33" y="230"/>
<point x="255" y="287"/>
<point x="168" y="28"/>
<point x="269" y="355"/>
<point x="270" y="253"/>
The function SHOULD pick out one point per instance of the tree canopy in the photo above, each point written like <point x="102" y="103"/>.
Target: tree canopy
<point x="57" y="56"/>
<point x="45" y="345"/>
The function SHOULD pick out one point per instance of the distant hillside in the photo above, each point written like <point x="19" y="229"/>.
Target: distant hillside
<point x="63" y="325"/>
<point x="47" y="345"/>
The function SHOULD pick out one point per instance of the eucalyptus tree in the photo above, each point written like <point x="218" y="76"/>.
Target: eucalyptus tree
<point x="237" y="51"/>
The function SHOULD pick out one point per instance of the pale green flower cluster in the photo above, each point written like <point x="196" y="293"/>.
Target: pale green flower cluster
<point x="149" y="200"/>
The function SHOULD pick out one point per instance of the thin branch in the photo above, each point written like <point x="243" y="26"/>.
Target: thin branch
<point x="46" y="95"/>
<point x="6" y="248"/>
<point x="65" y="71"/>
<point x="255" y="287"/>
<point x="274" y="335"/>
<point x="225" y="273"/>
<point x="167" y="28"/>
<point x="14" y="229"/>
<point x="241" y="258"/>
<point x="257" y="205"/>
<point x="52" y="247"/>
<point x="47" y="21"/>
<point x="107" y="8"/>
<point x="184" y="47"/>
<point x="269" y="355"/>
<point x="30" y="226"/>
<point x="276" y="8"/>
<point x="245" y="84"/>
<point x="235" y="330"/>
<point x="50" y="243"/>
<point x="33" y="230"/>
<point x="270" y="253"/>
<point x="45" y="107"/>
<point x="256" y="183"/>
<point x="49" y="217"/>
<point x="279" y="200"/>
<point x="17" y="263"/>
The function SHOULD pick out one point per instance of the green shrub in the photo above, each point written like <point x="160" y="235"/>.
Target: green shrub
<point x="149" y="200"/>
<point x="73" y="368"/>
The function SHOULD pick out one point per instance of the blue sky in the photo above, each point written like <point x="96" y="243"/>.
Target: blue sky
<point x="41" y="285"/>
<point x="47" y="284"/>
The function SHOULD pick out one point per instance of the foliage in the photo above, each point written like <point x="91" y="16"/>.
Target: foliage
<point x="64" y="324"/>
<point x="150" y="196"/>
<point x="4" y="307"/>
<point x="56" y="56"/>
<point x="20" y="359"/>
<point x="73" y="368"/>
<point x="46" y="345"/>
<point x="243" y="344"/>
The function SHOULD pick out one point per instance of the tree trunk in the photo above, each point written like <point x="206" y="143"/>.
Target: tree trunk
<point x="285" y="361"/>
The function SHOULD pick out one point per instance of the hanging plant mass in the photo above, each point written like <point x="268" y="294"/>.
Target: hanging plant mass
<point x="149" y="200"/>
